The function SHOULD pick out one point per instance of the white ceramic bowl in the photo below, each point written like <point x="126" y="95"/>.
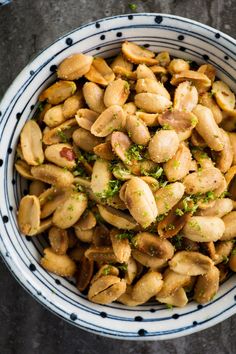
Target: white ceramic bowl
<point x="182" y="38"/>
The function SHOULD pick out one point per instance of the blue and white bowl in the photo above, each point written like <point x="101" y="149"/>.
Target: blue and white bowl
<point x="182" y="38"/>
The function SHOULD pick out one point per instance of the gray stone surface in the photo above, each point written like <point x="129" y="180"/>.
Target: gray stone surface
<point x="27" y="26"/>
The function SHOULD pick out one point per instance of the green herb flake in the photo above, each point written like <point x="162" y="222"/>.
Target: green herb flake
<point x="106" y="271"/>
<point x="177" y="241"/>
<point x="179" y="212"/>
<point x="225" y="259"/>
<point x="234" y="252"/>
<point x="113" y="188"/>
<point x="194" y="225"/>
<point x="41" y="106"/>
<point x="123" y="267"/>
<point x="169" y="306"/>
<point x="134" y="152"/>
<point x="170" y="227"/>
<point x="70" y="207"/>
<point x="132" y="7"/>
<point x="166" y="127"/>
<point x="160" y="217"/>
<point x="125" y="235"/>
<point x="62" y="136"/>
<point x="176" y="164"/>
<point x="194" y="121"/>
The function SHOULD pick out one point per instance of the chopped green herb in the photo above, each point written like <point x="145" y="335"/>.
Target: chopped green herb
<point x="125" y="235"/>
<point x="169" y="306"/>
<point x="123" y="267"/>
<point x="113" y="188"/>
<point x="166" y="126"/>
<point x="132" y="7"/>
<point x="209" y="196"/>
<point x="194" y="121"/>
<point x="170" y="227"/>
<point x="194" y="225"/>
<point x="106" y="270"/>
<point x="225" y="259"/>
<point x="177" y="241"/>
<point x="79" y="171"/>
<point x="179" y="212"/>
<point x="176" y="164"/>
<point x="79" y="188"/>
<point x="49" y="197"/>
<point x="41" y="106"/>
<point x="234" y="252"/>
<point x="62" y="136"/>
<point x="134" y="152"/>
<point x="160" y="217"/>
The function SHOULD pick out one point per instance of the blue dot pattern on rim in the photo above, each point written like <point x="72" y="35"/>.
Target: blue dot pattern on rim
<point x="143" y="332"/>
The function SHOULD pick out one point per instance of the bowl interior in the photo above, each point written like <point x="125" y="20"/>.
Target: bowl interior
<point x="182" y="38"/>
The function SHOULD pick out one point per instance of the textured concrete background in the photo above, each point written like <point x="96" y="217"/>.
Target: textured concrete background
<point x="26" y="27"/>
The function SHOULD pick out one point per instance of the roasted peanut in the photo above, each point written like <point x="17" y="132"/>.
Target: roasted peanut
<point x="111" y="119"/>
<point x="100" y="72"/>
<point x="190" y="263"/>
<point x="117" y="218"/>
<point x="140" y="201"/>
<point x="177" y="66"/>
<point x="36" y="188"/>
<point x="178" y="166"/>
<point x="224" y="158"/>
<point x="29" y="215"/>
<point x="137" y="55"/>
<point x="204" y="228"/>
<point x="85" y="140"/>
<point x="207" y="128"/>
<point x="70" y="211"/>
<point x="72" y="104"/>
<point x="86" y="117"/>
<point x="220" y="208"/>
<point x="58" y="239"/>
<point x="148" y="286"/>
<point x="106" y="289"/>
<point x="153" y="246"/>
<point x="225" y="98"/>
<point x="152" y="262"/>
<point x="178" y="299"/>
<point x="151" y="86"/>
<point x="230" y="226"/>
<point x="180" y="121"/>
<point x="172" y="281"/>
<point x="94" y="95"/>
<point x="208" y="179"/>
<point x="116" y="93"/>
<point x="186" y="97"/>
<point x="168" y="196"/>
<point x="61" y="154"/>
<point x="75" y="66"/>
<point x="31" y="143"/>
<point x="208" y="101"/>
<point x="137" y="130"/>
<point x="152" y="102"/>
<point x="120" y="247"/>
<point x="200" y="80"/>
<point x="61" y="265"/>
<point x="207" y="286"/>
<point x="52" y="174"/>
<point x="163" y="145"/>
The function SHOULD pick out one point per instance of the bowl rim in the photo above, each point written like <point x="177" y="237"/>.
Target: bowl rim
<point x="7" y="94"/>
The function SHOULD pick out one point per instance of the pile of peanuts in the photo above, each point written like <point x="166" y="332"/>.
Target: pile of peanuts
<point x="132" y="165"/>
